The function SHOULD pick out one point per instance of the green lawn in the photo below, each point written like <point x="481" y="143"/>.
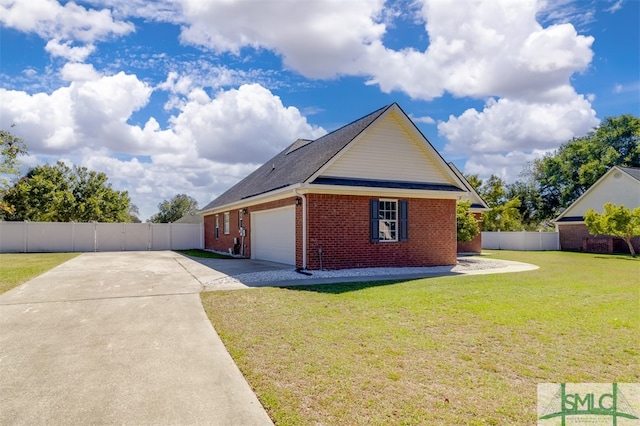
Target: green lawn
<point x="447" y="350"/>
<point x="204" y="254"/>
<point x="16" y="269"/>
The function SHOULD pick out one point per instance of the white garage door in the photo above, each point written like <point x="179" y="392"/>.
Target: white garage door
<point x="274" y="235"/>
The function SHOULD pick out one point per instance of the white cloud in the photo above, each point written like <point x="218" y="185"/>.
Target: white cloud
<point x="615" y="6"/>
<point x="62" y="25"/>
<point x="66" y="50"/>
<point x="50" y="20"/>
<point x="505" y="127"/>
<point x="317" y="38"/>
<point x="209" y="144"/>
<point x="424" y="119"/>
<point x="245" y="125"/>
<point x="79" y="72"/>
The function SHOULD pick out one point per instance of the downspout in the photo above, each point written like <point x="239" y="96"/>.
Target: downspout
<point x="304" y="227"/>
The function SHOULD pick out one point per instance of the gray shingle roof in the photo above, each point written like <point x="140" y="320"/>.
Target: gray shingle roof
<point x="296" y="163"/>
<point x="634" y="172"/>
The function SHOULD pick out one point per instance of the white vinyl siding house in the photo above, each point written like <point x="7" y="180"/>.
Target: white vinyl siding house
<point x="383" y="153"/>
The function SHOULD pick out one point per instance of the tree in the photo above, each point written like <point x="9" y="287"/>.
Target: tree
<point x="530" y="205"/>
<point x="134" y="214"/>
<point x="561" y="177"/>
<point x="467" y="225"/>
<point x="174" y="209"/>
<point x="11" y="147"/>
<point x="617" y="221"/>
<point x="504" y="214"/>
<point x="59" y="193"/>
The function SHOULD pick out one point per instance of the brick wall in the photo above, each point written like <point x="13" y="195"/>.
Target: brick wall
<point x="339" y="225"/>
<point x="475" y="245"/>
<point x="224" y="242"/>
<point x="572" y="237"/>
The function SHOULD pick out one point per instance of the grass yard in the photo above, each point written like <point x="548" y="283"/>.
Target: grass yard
<point x="204" y="254"/>
<point x="447" y="350"/>
<point x="19" y="268"/>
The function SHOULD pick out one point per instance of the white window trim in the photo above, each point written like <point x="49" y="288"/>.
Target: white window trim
<point x="381" y="222"/>
<point x="217" y="229"/>
<point x="226" y="223"/>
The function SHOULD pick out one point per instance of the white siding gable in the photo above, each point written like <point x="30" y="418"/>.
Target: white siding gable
<point x="390" y="149"/>
<point x="616" y="187"/>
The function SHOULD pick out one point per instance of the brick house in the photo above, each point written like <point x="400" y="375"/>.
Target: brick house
<point x="373" y="193"/>
<point x="478" y="207"/>
<point x="620" y="186"/>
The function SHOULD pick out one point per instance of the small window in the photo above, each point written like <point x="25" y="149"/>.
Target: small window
<point x="389" y="220"/>
<point x="226" y="223"/>
<point x="217" y="226"/>
<point x="240" y="216"/>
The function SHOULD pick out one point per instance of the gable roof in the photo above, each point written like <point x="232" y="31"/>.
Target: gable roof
<point x="477" y="203"/>
<point x="611" y="181"/>
<point x="300" y="161"/>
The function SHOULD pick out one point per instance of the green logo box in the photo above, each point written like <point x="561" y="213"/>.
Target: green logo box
<point x="578" y="404"/>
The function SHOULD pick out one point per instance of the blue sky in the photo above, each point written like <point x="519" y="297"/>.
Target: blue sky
<point x="189" y="96"/>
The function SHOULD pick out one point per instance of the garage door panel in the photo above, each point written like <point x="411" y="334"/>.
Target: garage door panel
<point x="274" y="235"/>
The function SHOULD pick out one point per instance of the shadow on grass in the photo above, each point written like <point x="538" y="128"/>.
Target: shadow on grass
<point x="351" y="286"/>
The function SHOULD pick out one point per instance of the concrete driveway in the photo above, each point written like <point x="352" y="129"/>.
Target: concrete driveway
<point x="118" y="338"/>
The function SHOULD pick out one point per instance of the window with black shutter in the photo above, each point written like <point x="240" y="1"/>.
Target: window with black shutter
<point x="389" y="220"/>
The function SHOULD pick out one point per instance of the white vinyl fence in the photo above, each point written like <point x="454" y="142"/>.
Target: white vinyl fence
<point x="31" y="237"/>
<point x="521" y="241"/>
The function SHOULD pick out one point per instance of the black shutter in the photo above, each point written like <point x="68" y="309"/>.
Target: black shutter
<point x="374" y="217"/>
<point x="217" y="233"/>
<point x="403" y="212"/>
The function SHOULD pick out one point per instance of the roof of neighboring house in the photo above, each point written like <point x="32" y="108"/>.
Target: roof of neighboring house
<point x="302" y="159"/>
<point x="606" y="189"/>
<point x="195" y="217"/>
<point x="477" y="203"/>
<point x="634" y="172"/>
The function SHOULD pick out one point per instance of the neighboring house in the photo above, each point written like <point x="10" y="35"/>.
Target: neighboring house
<point x="478" y="206"/>
<point x="620" y="186"/>
<point x="373" y="193"/>
<point x="194" y="217"/>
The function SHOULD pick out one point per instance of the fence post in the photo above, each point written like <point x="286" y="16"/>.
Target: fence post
<point x="25" y="234"/>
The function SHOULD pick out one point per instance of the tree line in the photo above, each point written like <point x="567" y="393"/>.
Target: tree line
<point x="551" y="183"/>
<point x="546" y="187"/>
<point x="62" y="193"/>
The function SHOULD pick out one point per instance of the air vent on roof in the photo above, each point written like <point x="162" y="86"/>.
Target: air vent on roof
<point x="298" y="144"/>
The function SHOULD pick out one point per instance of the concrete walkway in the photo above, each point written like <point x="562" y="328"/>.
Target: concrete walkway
<point x="118" y="338"/>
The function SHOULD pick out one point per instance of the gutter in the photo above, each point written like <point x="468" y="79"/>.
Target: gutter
<point x="304" y="226"/>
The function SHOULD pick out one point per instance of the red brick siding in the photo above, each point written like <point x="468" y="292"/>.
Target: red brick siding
<point x="572" y="238"/>
<point x="475" y="245"/>
<point x="339" y="225"/>
<point x="224" y="242"/>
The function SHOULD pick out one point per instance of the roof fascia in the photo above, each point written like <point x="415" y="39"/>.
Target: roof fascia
<point x="287" y="191"/>
<point x="379" y="192"/>
<point x="470" y="188"/>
